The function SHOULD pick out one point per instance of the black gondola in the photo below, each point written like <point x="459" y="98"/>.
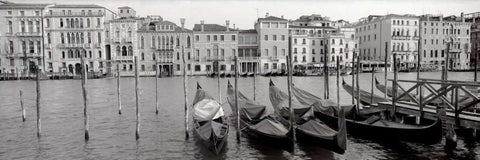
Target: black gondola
<point x="309" y="128"/>
<point x="243" y="74"/>
<point x="212" y="74"/>
<point x="365" y="97"/>
<point x="267" y="74"/>
<point x="209" y="121"/>
<point x="372" y="127"/>
<point x="259" y="121"/>
<point x="250" y="74"/>
<point x="222" y="74"/>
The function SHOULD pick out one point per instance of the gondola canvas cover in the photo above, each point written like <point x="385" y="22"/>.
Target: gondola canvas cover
<point x="318" y="129"/>
<point x="279" y="101"/>
<point x="207" y="109"/>
<point x="248" y="108"/>
<point x="269" y="127"/>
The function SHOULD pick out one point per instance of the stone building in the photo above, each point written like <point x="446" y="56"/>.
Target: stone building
<point x="474" y="18"/>
<point x="21" y="43"/>
<point x="213" y="44"/>
<point x="273" y="43"/>
<point x="438" y="33"/>
<point x="248" y="54"/>
<point x="72" y="30"/>
<point x="398" y="33"/>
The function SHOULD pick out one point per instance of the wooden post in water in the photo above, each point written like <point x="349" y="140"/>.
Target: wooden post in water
<point x="358" y="83"/>
<point x="156" y="87"/>
<point x="289" y="85"/>
<point x="39" y="125"/>
<point x="21" y="105"/>
<point x="119" y="100"/>
<point x="419" y="88"/>
<point x="137" y="130"/>
<point x="185" y="92"/>
<point x="236" y="100"/>
<point x="254" y="82"/>
<point x="325" y="72"/>
<point x="373" y="83"/>
<point x="353" y="76"/>
<point x="338" y="84"/>
<point x="394" y="86"/>
<point x="85" y="98"/>
<point x="218" y="81"/>
<point x="386" y="71"/>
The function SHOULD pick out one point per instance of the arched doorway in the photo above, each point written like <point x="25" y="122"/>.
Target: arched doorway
<point x="70" y="68"/>
<point x="78" y="68"/>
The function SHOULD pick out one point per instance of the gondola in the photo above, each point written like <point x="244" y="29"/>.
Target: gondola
<point x="250" y="74"/>
<point x="258" y="120"/>
<point x="309" y="129"/>
<point x="222" y="74"/>
<point x="267" y="74"/>
<point x="212" y="74"/>
<point x="371" y="126"/>
<point x="229" y="74"/>
<point x="243" y="74"/>
<point x="210" y="123"/>
<point x="381" y="87"/>
<point x="274" y="74"/>
<point x="365" y="97"/>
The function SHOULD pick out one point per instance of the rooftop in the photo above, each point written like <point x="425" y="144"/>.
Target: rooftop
<point x="76" y="6"/>
<point x="248" y="31"/>
<point x="10" y="5"/>
<point x="210" y="28"/>
<point x="271" y="18"/>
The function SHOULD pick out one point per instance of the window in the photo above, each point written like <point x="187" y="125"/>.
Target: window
<point x="283" y="37"/>
<point x="39" y="47"/>
<point x="98" y="22"/>
<point x="197" y="38"/>
<point x="22" y="26"/>
<point x="222" y="38"/>
<point x="214" y="37"/>
<point x="208" y="37"/>
<point x="88" y="22"/>
<point x="233" y="38"/>
<point x="266" y="37"/>
<point x="197" y="68"/>
<point x="274" y="37"/>
<point x="10" y="27"/>
<point x="22" y="13"/>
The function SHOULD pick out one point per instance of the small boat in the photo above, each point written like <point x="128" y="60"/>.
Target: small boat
<point x="243" y="74"/>
<point x="382" y="87"/>
<point x="212" y="74"/>
<point x="209" y="121"/>
<point x="260" y="122"/>
<point x="370" y="126"/>
<point x="274" y="74"/>
<point x="309" y="128"/>
<point x="267" y="74"/>
<point x="250" y="74"/>
<point x="222" y="74"/>
<point x="227" y="74"/>
<point x="365" y="97"/>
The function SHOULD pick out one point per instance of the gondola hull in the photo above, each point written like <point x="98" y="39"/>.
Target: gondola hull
<point x="214" y="143"/>
<point x="429" y="134"/>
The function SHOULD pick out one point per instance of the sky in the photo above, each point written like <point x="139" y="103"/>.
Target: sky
<point x="244" y="13"/>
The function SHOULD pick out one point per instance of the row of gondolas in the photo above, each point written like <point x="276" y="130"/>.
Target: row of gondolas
<point x="318" y="121"/>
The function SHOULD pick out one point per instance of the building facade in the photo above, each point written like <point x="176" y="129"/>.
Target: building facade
<point x="214" y="46"/>
<point x="439" y="33"/>
<point x="273" y="43"/>
<point x="398" y="34"/>
<point x="72" y="31"/>
<point x="474" y="18"/>
<point x="248" y="54"/>
<point x="21" y="40"/>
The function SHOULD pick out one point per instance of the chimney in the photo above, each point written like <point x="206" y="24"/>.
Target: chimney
<point x="282" y="16"/>
<point x="182" y="21"/>
<point x="234" y="26"/>
<point x="463" y="17"/>
<point x="266" y="15"/>
<point x="227" y="22"/>
<point x="201" y="24"/>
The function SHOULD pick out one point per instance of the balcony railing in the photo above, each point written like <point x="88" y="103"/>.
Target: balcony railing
<point x="395" y="37"/>
<point x="123" y="58"/>
<point x="73" y="45"/>
<point x="76" y="14"/>
<point x="28" y="34"/>
<point x="248" y="58"/>
<point x="215" y="58"/>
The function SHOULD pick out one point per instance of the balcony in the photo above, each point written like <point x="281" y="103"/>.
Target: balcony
<point x="73" y="45"/>
<point x="28" y="34"/>
<point x="215" y="58"/>
<point x="273" y="58"/>
<point x="248" y="58"/>
<point x="127" y="40"/>
<point x="123" y="58"/>
<point x="395" y="37"/>
<point x="75" y="14"/>
<point x="23" y="55"/>
<point x="165" y="60"/>
<point x="97" y="45"/>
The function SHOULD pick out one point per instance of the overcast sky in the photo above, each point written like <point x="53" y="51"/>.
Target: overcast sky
<point x="244" y="13"/>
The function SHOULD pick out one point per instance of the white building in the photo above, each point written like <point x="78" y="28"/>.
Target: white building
<point x="273" y="43"/>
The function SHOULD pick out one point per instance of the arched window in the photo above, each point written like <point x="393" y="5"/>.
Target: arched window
<point x="124" y="51"/>
<point x="72" y="23"/>
<point x="160" y="42"/>
<point x="153" y="56"/>
<point x="81" y="23"/>
<point x="188" y="41"/>
<point x="77" y="54"/>
<point x="117" y="33"/>
<point x="81" y="38"/>
<point x="171" y="42"/>
<point x="142" y="41"/>
<point x="118" y="50"/>
<point x="142" y="57"/>
<point x="178" y="41"/>
<point x="89" y="38"/>
<point x="130" y="51"/>
<point x="153" y="41"/>
<point x="88" y="22"/>
<point x="62" y="38"/>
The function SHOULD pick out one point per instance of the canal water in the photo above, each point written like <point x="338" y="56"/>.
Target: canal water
<point x="112" y="136"/>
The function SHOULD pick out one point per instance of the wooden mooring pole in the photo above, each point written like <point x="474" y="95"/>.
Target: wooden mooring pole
<point x="85" y="98"/>
<point x="386" y="71"/>
<point x="338" y="83"/>
<point x="236" y="100"/>
<point x="156" y="87"/>
<point x="185" y="89"/>
<point x="21" y="105"/>
<point x="358" y="83"/>
<point x="353" y="76"/>
<point x="39" y="126"/>
<point x="289" y="85"/>
<point x="325" y="73"/>
<point x="254" y="82"/>
<point x="394" y="86"/>
<point x="119" y="99"/>
<point x="137" y="130"/>
<point x="372" y="85"/>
